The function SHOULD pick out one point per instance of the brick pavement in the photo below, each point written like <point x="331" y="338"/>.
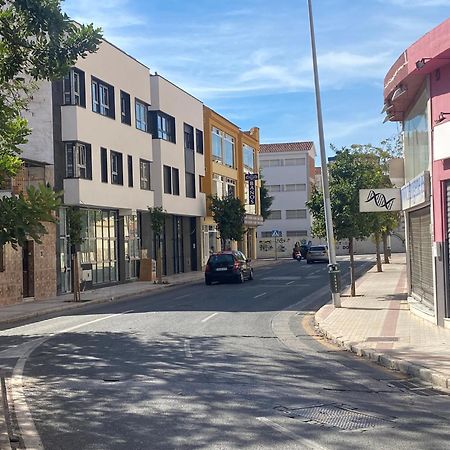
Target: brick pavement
<point x="378" y="325"/>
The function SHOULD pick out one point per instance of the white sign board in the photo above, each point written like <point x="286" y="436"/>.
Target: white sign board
<point x="416" y="191"/>
<point x="379" y="200"/>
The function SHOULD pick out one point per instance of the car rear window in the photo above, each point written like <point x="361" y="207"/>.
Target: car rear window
<point x="221" y="259"/>
<point x="318" y="248"/>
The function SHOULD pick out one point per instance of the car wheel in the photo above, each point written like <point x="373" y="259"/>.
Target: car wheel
<point x="240" y="277"/>
<point x="250" y="277"/>
<point x="208" y="282"/>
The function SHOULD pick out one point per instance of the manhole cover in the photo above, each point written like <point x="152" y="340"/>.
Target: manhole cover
<point x="335" y="416"/>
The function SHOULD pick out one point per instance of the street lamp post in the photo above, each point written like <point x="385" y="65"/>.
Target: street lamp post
<point x="333" y="267"/>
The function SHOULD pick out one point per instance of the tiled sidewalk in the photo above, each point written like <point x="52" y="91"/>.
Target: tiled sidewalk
<point x="377" y="324"/>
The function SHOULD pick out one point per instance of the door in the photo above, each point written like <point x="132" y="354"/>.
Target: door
<point x="193" y="240"/>
<point x="28" y="269"/>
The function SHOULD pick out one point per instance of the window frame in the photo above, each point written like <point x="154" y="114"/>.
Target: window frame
<point x="125" y="108"/>
<point x="141" y="123"/>
<point x="199" y="145"/>
<point x="145" y="182"/>
<point x="116" y="159"/>
<point x="78" y="160"/>
<point x="73" y="87"/>
<point x="102" y="98"/>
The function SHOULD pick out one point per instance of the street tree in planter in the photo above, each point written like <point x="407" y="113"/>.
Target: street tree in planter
<point x="348" y="173"/>
<point x="76" y="238"/>
<point x="158" y="219"/>
<point x="37" y="42"/>
<point x="265" y="199"/>
<point x="229" y="214"/>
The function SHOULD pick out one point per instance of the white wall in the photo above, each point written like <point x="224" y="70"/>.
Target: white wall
<point x="185" y="108"/>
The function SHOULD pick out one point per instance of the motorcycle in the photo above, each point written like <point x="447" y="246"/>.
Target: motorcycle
<point x="296" y="254"/>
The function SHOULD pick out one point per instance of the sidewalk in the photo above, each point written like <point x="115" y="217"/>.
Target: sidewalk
<point x="32" y="309"/>
<point x="378" y="325"/>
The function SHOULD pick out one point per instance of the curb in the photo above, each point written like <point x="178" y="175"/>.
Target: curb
<point x="384" y="359"/>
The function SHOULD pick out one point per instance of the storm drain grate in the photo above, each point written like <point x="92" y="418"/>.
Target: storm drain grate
<point x="415" y="386"/>
<point x="335" y="416"/>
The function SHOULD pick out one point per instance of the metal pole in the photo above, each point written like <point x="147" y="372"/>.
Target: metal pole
<point x="323" y="160"/>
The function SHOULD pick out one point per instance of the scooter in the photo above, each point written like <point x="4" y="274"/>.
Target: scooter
<point x="296" y="254"/>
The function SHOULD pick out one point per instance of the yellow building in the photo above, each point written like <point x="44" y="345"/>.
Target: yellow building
<point x="230" y="154"/>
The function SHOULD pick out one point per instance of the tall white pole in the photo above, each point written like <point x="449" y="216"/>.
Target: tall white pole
<point x="333" y="267"/>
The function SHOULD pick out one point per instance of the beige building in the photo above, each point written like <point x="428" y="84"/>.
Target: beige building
<point x="230" y="154"/>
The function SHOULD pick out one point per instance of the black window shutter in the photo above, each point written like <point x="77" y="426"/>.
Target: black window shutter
<point x="88" y="162"/>
<point x="104" y="164"/>
<point x="82" y="90"/>
<point x="120" y="164"/>
<point x="69" y="160"/>
<point x="130" y="171"/>
<point x="112" y="104"/>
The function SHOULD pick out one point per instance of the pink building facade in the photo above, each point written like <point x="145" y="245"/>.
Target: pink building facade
<point x="417" y="94"/>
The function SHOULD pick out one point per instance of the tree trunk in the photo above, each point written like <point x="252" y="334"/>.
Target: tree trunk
<point x="352" y="268"/>
<point x="76" y="278"/>
<point x="385" y="249"/>
<point x="377" y="245"/>
<point x="158" y="260"/>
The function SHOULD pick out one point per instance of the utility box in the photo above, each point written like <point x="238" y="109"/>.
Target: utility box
<point x="147" y="271"/>
<point x="335" y="278"/>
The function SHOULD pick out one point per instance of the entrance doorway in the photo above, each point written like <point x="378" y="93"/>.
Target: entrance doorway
<point x="28" y="269"/>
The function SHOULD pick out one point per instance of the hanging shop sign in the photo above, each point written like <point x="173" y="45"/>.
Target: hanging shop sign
<point x="379" y="200"/>
<point x="251" y="178"/>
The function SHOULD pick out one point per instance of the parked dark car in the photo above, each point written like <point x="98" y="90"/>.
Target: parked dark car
<point x="228" y="266"/>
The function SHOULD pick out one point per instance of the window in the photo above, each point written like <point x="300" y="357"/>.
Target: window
<point x="294" y="233"/>
<point x="295" y="187"/>
<point x="145" y="174"/>
<point x="273" y="187"/>
<point x="222" y="147"/>
<point x="125" y="109"/>
<point x="165" y="127"/>
<point x="266" y="234"/>
<point x="223" y="186"/>
<point x="102" y="98"/>
<point x="296" y="214"/>
<point x="74" y="88"/>
<point x="275" y="215"/>
<point x="141" y="111"/>
<point x="78" y="160"/>
<point x="171" y="180"/>
<point x="188" y="137"/>
<point x="116" y="168"/>
<point x="199" y="141"/>
<point x="295" y="161"/>
<point x="271" y="163"/>
<point x="201" y="183"/>
<point x="104" y="164"/>
<point x="249" y="158"/>
<point x="167" y="173"/>
<point x="130" y="171"/>
<point x="190" y="185"/>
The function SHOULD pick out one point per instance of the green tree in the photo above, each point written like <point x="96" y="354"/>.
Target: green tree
<point x="37" y="42"/>
<point x="76" y="231"/>
<point x="229" y="214"/>
<point x="158" y="219"/>
<point x="265" y="199"/>
<point x="348" y="173"/>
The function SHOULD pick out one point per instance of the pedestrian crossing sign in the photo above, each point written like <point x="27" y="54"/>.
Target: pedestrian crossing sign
<point x="276" y="233"/>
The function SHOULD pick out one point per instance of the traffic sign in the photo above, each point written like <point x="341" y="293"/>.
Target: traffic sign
<point x="276" y="233"/>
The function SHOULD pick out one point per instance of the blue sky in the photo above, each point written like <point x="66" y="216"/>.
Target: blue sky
<point x="250" y="60"/>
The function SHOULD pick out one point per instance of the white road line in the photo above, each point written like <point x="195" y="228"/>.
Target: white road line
<point x="29" y="433"/>
<point x="187" y="348"/>
<point x="209" y="317"/>
<point x="290" y="282"/>
<point x="182" y="296"/>
<point x="303" y="442"/>
<point x="260" y="295"/>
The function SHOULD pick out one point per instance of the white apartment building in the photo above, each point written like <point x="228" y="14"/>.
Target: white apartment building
<point x="103" y="157"/>
<point x="177" y="169"/>
<point x="288" y="172"/>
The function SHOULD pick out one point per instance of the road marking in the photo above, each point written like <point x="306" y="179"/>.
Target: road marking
<point x="187" y="348"/>
<point x="290" y="282"/>
<point x="209" y="317"/>
<point x="260" y="295"/>
<point x="28" y="431"/>
<point x="182" y="296"/>
<point x="303" y="442"/>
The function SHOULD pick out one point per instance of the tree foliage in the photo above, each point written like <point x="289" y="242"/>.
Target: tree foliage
<point x="157" y="217"/>
<point x="37" y="42"/>
<point x="229" y="214"/>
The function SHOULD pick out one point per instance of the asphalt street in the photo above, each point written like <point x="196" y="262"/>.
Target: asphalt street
<point x="211" y="367"/>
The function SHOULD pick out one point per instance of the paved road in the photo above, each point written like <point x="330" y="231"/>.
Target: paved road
<point x="212" y="367"/>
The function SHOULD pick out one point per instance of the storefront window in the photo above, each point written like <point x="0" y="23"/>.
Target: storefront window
<point x="415" y="129"/>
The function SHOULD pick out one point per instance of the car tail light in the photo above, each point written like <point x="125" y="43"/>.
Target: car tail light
<point x="207" y="268"/>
